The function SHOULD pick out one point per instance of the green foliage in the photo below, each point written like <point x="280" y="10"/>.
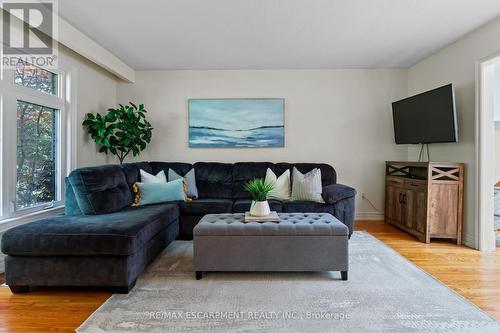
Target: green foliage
<point x="258" y="189"/>
<point x="36" y="156"/>
<point x="121" y="131"/>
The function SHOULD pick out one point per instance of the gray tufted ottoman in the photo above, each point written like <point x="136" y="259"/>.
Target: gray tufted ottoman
<point x="299" y="242"/>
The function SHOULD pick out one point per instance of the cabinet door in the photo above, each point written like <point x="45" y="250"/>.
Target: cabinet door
<point x="415" y="210"/>
<point x="393" y="206"/>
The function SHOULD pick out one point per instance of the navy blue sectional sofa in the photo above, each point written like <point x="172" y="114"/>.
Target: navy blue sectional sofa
<point x="103" y="241"/>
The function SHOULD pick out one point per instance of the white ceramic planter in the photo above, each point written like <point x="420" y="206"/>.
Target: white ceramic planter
<point x="260" y="208"/>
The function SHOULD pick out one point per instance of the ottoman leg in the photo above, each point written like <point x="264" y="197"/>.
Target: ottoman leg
<point x="343" y="274"/>
<point x="199" y="275"/>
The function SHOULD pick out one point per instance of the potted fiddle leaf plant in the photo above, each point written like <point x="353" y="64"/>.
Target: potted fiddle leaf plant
<point x="259" y="189"/>
<point x="121" y="131"/>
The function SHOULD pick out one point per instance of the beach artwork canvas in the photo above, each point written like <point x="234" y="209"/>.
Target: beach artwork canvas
<point x="233" y="123"/>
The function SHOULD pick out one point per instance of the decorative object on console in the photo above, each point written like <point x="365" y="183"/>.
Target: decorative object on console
<point x="236" y="123"/>
<point x="146" y="177"/>
<point x="121" y="131"/>
<point x="192" y="190"/>
<point x="281" y="185"/>
<point x="307" y="187"/>
<point x="272" y="217"/>
<point x="153" y="193"/>
<point x="259" y="190"/>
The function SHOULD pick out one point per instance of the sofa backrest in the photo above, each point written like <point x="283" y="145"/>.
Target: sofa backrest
<point x="243" y="172"/>
<point x="100" y="190"/>
<point x="180" y="168"/>
<point x="214" y="180"/>
<point x="132" y="173"/>
<point x="109" y="188"/>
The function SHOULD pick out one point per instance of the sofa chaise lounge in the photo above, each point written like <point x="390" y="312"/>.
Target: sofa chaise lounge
<point x="102" y="241"/>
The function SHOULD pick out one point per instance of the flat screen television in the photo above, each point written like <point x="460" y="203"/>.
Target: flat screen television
<point x="429" y="117"/>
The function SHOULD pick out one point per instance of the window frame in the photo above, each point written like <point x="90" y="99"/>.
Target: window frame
<point x="10" y="93"/>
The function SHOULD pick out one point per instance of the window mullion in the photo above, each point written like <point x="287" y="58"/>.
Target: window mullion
<point x="9" y="146"/>
<point x="36" y="97"/>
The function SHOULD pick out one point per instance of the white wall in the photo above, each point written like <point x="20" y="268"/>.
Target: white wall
<point x="340" y="117"/>
<point x="96" y="92"/>
<point x="497" y="152"/>
<point x="497" y="122"/>
<point x="457" y="64"/>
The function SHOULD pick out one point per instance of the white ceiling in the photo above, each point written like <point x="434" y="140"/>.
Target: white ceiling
<point x="275" y="34"/>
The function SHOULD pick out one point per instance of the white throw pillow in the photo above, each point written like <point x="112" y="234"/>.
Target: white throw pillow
<point x="149" y="178"/>
<point x="281" y="185"/>
<point x="307" y="187"/>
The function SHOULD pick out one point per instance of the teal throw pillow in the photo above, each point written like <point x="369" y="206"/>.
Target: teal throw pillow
<point x="152" y="193"/>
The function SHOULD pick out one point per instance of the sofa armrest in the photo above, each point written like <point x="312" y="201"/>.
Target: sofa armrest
<point x="342" y="198"/>
<point x="337" y="192"/>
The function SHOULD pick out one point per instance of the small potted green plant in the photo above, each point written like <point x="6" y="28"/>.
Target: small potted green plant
<point x="259" y="189"/>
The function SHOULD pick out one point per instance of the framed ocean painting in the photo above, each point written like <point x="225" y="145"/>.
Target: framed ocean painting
<point x="234" y="123"/>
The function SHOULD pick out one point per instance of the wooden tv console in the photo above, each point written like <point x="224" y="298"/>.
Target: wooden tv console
<point x="425" y="199"/>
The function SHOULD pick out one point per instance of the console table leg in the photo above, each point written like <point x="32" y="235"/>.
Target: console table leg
<point x="343" y="274"/>
<point x="199" y="275"/>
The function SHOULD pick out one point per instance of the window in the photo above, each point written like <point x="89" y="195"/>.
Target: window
<point x="34" y="145"/>
<point x="36" y="155"/>
<point x="36" y="78"/>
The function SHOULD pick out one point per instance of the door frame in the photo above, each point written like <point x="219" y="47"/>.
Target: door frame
<point x="485" y="152"/>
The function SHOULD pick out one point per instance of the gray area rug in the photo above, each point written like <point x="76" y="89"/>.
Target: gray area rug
<point x="385" y="293"/>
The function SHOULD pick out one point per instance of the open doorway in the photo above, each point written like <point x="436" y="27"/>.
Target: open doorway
<point x="487" y="151"/>
<point x="496" y="202"/>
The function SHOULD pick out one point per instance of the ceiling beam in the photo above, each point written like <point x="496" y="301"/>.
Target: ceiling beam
<point x="80" y="43"/>
<point x="77" y="41"/>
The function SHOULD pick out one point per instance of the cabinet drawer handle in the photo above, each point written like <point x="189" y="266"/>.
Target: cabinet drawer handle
<point x="400" y="197"/>
<point x="404" y="199"/>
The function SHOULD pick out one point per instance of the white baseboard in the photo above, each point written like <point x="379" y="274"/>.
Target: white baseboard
<point x="369" y="216"/>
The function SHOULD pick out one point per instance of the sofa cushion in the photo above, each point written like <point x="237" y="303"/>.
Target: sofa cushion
<point x="214" y="180"/>
<point x="243" y="172"/>
<point x="243" y="205"/>
<point x="328" y="175"/>
<point x="122" y="233"/>
<point x="70" y="204"/>
<point x="190" y="179"/>
<point x="307" y="186"/>
<point x="155" y="193"/>
<point x="100" y="190"/>
<point x="306" y="206"/>
<point x="206" y="206"/>
<point x="132" y="173"/>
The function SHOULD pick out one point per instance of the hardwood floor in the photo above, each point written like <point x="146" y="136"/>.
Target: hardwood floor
<point x="474" y="275"/>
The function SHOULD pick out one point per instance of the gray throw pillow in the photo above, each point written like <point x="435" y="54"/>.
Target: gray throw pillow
<point x="307" y="187"/>
<point x="192" y="191"/>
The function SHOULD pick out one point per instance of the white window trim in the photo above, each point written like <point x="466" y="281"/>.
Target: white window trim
<point x="66" y="159"/>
